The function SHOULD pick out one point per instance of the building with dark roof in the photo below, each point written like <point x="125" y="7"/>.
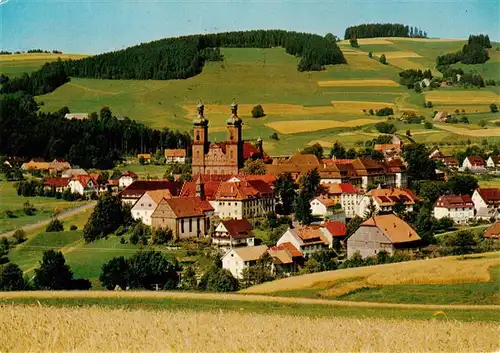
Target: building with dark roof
<point x="134" y="191"/>
<point x="459" y="208"/>
<point x="232" y="233"/>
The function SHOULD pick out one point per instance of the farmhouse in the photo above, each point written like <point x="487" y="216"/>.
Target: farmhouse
<point x="57" y="166"/>
<point x="145" y="206"/>
<point x="493" y="231"/>
<point x="145" y="156"/>
<point x="473" y="163"/>
<point x="187" y="217"/>
<point x="232" y="233"/>
<point x="36" y="165"/>
<point x="322" y="206"/>
<point x="382" y="233"/>
<point x="306" y="239"/>
<point x="132" y="193"/>
<point x="459" y="208"/>
<point x="386" y="199"/>
<point x="486" y="202"/>
<point x="127" y="178"/>
<point x="58" y="184"/>
<point x="493" y="161"/>
<point x="175" y="156"/>
<point x="237" y="259"/>
<point x="83" y="185"/>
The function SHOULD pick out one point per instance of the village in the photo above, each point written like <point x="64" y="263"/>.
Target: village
<point x="355" y="207"/>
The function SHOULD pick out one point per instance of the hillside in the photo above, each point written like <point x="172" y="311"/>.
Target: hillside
<point x="474" y="279"/>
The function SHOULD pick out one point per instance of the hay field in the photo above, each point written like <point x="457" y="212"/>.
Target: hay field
<point x="398" y="54"/>
<point x="369" y="41"/>
<point x="406" y="64"/>
<point x="462" y="97"/>
<point x="245" y="110"/>
<point x="468" y="108"/>
<point x="426" y="40"/>
<point x="296" y="126"/>
<point x="495" y="132"/>
<point x="358" y="83"/>
<point x="39" y="56"/>
<point x="445" y="270"/>
<point x="95" y="329"/>
<point x="358" y="106"/>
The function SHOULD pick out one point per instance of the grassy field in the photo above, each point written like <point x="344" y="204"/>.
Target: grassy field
<point x="66" y="329"/>
<point x="269" y="77"/>
<point x="9" y="200"/>
<point x="16" y="64"/>
<point x="450" y="280"/>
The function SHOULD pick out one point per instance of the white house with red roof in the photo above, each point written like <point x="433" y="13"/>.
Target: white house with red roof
<point x="233" y="233"/>
<point x="473" y="163"/>
<point x="127" y="178"/>
<point x="459" y="208"/>
<point x="386" y="199"/>
<point x="175" y="156"/>
<point x="83" y="185"/>
<point x="306" y="239"/>
<point x="493" y="161"/>
<point x="58" y="184"/>
<point x="486" y="202"/>
<point x="322" y="206"/>
<point x="335" y="230"/>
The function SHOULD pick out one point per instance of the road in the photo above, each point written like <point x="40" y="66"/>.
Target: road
<point x="63" y="215"/>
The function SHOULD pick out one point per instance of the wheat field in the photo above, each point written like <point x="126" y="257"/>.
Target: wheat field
<point x="462" y="97"/>
<point x="469" y="132"/>
<point x="445" y="270"/>
<point x="96" y="329"/>
<point x="358" y="106"/>
<point x="245" y="110"/>
<point x="296" y="126"/>
<point x="358" y="83"/>
<point x="39" y="56"/>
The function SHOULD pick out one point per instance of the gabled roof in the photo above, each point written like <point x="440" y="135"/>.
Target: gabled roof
<point x="336" y="228"/>
<point x="249" y="151"/>
<point x="243" y="190"/>
<point x="290" y="248"/>
<point x="57" y="182"/>
<point x="175" y="153"/>
<point x="139" y="187"/>
<point x="238" y="228"/>
<point x="454" y="201"/>
<point x="326" y="201"/>
<point x="342" y="188"/>
<point x="493" y="231"/>
<point x="489" y="195"/>
<point x="450" y="161"/>
<point x="495" y="159"/>
<point x="389" y="197"/>
<point x="250" y="253"/>
<point x="210" y="188"/>
<point x="74" y="172"/>
<point x="280" y="256"/>
<point x="84" y="179"/>
<point x="396" y="230"/>
<point x="158" y="195"/>
<point x="302" y="159"/>
<point x="128" y="173"/>
<point x="476" y="161"/>
<point x="183" y="207"/>
<point x="310" y="235"/>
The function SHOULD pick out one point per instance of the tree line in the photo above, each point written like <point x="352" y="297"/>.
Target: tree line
<point x="474" y="52"/>
<point x="96" y="142"/>
<point x="372" y="30"/>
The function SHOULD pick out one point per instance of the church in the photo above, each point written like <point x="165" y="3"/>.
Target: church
<point x="225" y="157"/>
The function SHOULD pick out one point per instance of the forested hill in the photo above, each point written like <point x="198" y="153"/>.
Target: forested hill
<point x="183" y="57"/>
<point x="373" y="30"/>
<point x="176" y="58"/>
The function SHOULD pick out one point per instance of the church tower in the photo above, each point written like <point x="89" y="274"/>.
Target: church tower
<point x="234" y="147"/>
<point x="200" y="141"/>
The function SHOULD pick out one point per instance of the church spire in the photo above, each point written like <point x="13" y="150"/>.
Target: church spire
<point x="234" y="119"/>
<point x="200" y="118"/>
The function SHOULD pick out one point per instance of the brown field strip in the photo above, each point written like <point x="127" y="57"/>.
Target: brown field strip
<point x="296" y="126"/>
<point x="462" y="97"/>
<point x="269" y="109"/>
<point x="446" y="270"/>
<point x="358" y="106"/>
<point x="358" y="83"/>
<point x="98" y="329"/>
<point x="493" y="132"/>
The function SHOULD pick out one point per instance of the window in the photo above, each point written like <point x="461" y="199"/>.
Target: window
<point x="142" y="204"/>
<point x="150" y="205"/>
<point x="182" y="225"/>
<point x="190" y="225"/>
<point x="197" y="224"/>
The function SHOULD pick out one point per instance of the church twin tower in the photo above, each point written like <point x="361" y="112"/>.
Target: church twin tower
<point x="218" y="157"/>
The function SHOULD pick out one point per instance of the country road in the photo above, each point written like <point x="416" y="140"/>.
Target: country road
<point x="62" y="216"/>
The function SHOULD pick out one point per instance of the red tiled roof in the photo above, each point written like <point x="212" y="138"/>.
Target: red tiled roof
<point x="129" y="174"/>
<point x="450" y="161"/>
<point x="210" y="188"/>
<point x="139" y="187"/>
<point x="348" y="188"/>
<point x="337" y="161"/>
<point x="187" y="206"/>
<point x="84" y="179"/>
<point x="495" y="159"/>
<point x="57" y="182"/>
<point x="243" y="190"/>
<point x="397" y="230"/>
<point x="325" y="201"/>
<point x="493" y="231"/>
<point x="175" y="153"/>
<point x="288" y="247"/>
<point x="454" y="201"/>
<point x="336" y="228"/>
<point x="489" y="195"/>
<point x="389" y="197"/>
<point x="238" y="228"/>
<point x="476" y="161"/>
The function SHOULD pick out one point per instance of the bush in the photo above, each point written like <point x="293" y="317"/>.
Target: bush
<point x="10" y="214"/>
<point x="383" y="59"/>
<point x="11" y="278"/>
<point x="428" y="125"/>
<point x="258" y="111"/>
<point x="274" y="136"/>
<point x="19" y="236"/>
<point x="55" y="225"/>
<point x="134" y="238"/>
<point x="29" y="209"/>
<point x="493" y="108"/>
<point x="73" y="228"/>
<point x="385" y="128"/>
<point x="162" y="236"/>
<point x="385" y="111"/>
<point x="482" y="123"/>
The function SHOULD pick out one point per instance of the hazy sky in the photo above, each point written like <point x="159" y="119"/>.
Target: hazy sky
<point x="93" y="26"/>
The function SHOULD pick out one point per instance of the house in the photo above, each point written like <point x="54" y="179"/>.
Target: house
<point x="306" y="239"/>
<point x="286" y="259"/>
<point x="69" y="173"/>
<point x="382" y="233"/>
<point x="450" y="162"/>
<point x="175" y="156"/>
<point x="58" y="166"/>
<point x="336" y="229"/>
<point x="347" y="195"/>
<point x="83" y="185"/>
<point x="58" y="184"/>
<point x="386" y="199"/>
<point x="145" y="156"/>
<point x="232" y="233"/>
<point x="145" y="206"/>
<point x="76" y="116"/>
<point x="486" y="201"/>
<point x="441" y="117"/>
<point x="187" y="217"/>
<point x="127" y="178"/>
<point x="132" y="193"/>
<point x="36" y="165"/>
<point x="459" y="208"/>
<point x="473" y="163"/>
<point x="493" y="161"/>
<point x="493" y="231"/>
<point x="322" y="206"/>
<point x="237" y="259"/>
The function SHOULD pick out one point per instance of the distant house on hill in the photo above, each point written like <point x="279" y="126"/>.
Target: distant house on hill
<point x="486" y="202"/>
<point x="175" y="156"/>
<point x="382" y="233"/>
<point x="473" y="163"/>
<point x="127" y="178"/>
<point x="76" y="116"/>
<point x="145" y="156"/>
<point x="493" y="161"/>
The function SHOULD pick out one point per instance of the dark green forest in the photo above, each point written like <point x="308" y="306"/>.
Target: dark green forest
<point x="97" y="142"/>
<point x="474" y="52"/>
<point x="373" y="30"/>
<point x="176" y="58"/>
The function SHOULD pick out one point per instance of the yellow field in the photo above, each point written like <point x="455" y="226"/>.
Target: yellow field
<point x="269" y="109"/>
<point x="358" y="61"/>
<point x="39" y="56"/>
<point x="428" y="40"/>
<point x="399" y="54"/>
<point x="368" y="41"/>
<point x="406" y="64"/>
<point x="295" y="126"/>
<point x="445" y="270"/>
<point x="468" y="108"/>
<point x="462" y="97"/>
<point x="469" y="132"/>
<point x="96" y="329"/>
<point x="358" y="106"/>
<point x="358" y="83"/>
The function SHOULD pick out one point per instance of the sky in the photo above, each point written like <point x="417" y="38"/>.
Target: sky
<point x="95" y="26"/>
